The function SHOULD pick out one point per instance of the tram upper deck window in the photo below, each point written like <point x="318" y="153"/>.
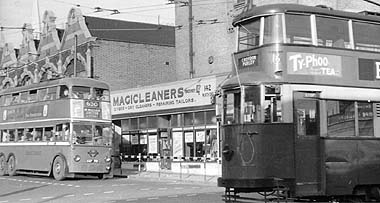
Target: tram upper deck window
<point x="366" y="36"/>
<point x="298" y="29"/>
<point x="232" y="107"/>
<point x="332" y="32"/>
<point x="249" y="35"/>
<point x="273" y="30"/>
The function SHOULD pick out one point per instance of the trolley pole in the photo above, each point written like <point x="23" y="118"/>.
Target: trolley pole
<point x="191" y="50"/>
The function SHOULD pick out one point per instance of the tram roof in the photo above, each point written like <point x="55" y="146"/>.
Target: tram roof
<point x="248" y="78"/>
<point x="297" y="8"/>
<point x="64" y="81"/>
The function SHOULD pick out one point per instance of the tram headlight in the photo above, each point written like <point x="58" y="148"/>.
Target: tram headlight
<point x="107" y="159"/>
<point x="77" y="158"/>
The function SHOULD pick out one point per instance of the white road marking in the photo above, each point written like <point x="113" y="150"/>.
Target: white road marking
<point x="162" y="188"/>
<point x="173" y="196"/>
<point x="77" y="186"/>
<point x="87" y="194"/>
<point x="69" y="196"/>
<point x="69" y="185"/>
<point x="4" y="201"/>
<point x="195" y="187"/>
<point x="130" y="200"/>
<point x="152" y="198"/>
<point x="108" y="192"/>
<point x="47" y="197"/>
<point x="178" y="188"/>
<point x="145" y="189"/>
<point x="25" y="199"/>
<point x="190" y="195"/>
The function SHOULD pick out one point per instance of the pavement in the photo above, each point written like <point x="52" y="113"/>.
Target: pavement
<point x="165" y="175"/>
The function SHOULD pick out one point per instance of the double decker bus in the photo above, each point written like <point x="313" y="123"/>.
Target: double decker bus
<point x="301" y="114"/>
<point x="59" y="127"/>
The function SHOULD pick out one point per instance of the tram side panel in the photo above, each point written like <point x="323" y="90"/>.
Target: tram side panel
<point x="255" y="156"/>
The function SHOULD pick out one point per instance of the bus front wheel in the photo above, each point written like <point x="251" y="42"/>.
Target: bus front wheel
<point x="12" y="166"/>
<point x="3" y="165"/>
<point x="59" y="168"/>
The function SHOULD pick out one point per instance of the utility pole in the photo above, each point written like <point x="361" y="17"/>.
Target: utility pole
<point x="191" y="51"/>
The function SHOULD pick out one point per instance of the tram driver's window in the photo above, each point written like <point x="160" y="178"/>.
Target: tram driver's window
<point x="249" y="35"/>
<point x="272" y="104"/>
<point x="252" y="107"/>
<point x="232" y="107"/>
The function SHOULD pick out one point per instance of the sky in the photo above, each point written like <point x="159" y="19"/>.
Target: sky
<point x="14" y="13"/>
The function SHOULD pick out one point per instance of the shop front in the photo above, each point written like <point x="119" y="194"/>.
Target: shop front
<point x="170" y="127"/>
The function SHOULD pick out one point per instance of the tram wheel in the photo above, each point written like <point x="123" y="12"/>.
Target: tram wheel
<point x="59" y="168"/>
<point x="3" y="166"/>
<point x="12" y="166"/>
<point x="101" y="176"/>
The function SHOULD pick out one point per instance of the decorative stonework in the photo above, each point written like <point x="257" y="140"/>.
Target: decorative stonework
<point x="53" y="58"/>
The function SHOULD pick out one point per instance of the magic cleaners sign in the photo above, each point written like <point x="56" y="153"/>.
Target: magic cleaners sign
<point x="314" y="64"/>
<point x="166" y="96"/>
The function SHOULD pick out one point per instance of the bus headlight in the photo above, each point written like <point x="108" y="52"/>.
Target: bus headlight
<point x="77" y="158"/>
<point x="107" y="159"/>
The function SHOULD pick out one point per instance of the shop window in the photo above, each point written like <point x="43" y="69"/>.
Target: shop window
<point x="199" y="118"/>
<point x="189" y="144"/>
<point x="126" y="145"/>
<point x="125" y="125"/>
<point x="152" y="122"/>
<point x="134" y="123"/>
<point x="210" y="117"/>
<point x="176" y="120"/>
<point x="177" y="144"/>
<point x="188" y="119"/>
<point x="163" y="121"/>
<point x="200" y="143"/>
<point x="143" y="124"/>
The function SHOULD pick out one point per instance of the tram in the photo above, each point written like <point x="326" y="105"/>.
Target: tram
<point x="301" y="113"/>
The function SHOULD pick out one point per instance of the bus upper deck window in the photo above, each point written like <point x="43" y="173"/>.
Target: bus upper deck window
<point x="15" y="98"/>
<point x="63" y="91"/>
<point x="51" y="93"/>
<point x="101" y="94"/>
<point x="80" y="92"/>
<point x="32" y="96"/>
<point x="41" y="94"/>
<point x="7" y="100"/>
